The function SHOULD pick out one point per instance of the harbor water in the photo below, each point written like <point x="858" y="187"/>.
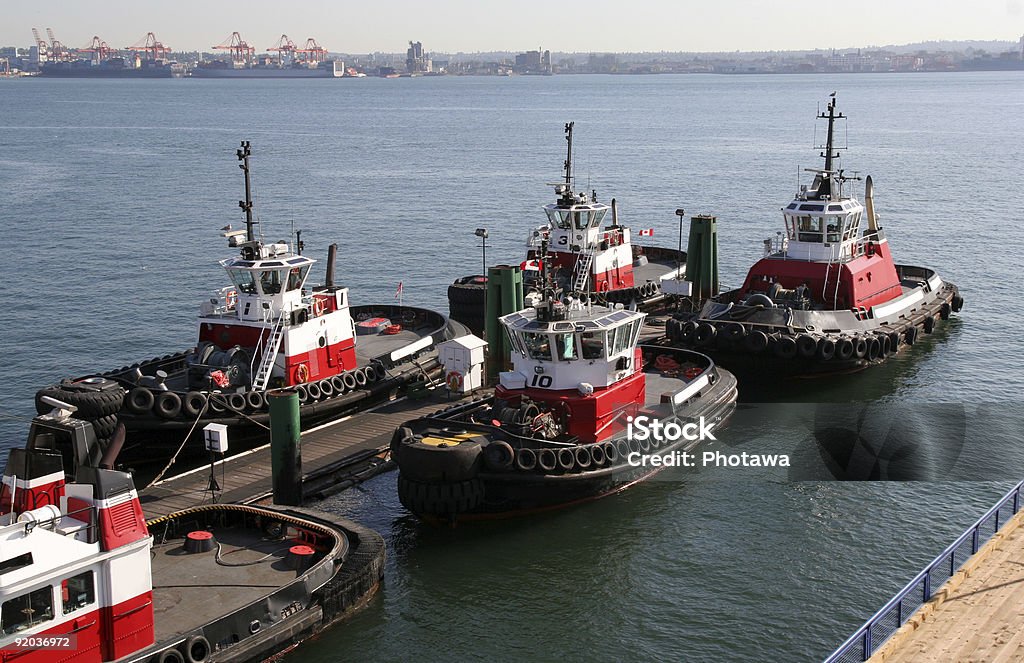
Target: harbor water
<point x="114" y="193"/>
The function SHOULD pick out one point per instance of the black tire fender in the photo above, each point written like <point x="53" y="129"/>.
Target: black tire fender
<point x="193" y="403"/>
<point x="756" y="341"/>
<point x="256" y="400"/>
<point x="526" y="459"/>
<point x="197" y="649"/>
<point x="168" y="405"/>
<point x="498" y="455"/>
<point x="826" y="349"/>
<point x="785" y="347"/>
<point x="547" y="460"/>
<point x="140" y="400"/>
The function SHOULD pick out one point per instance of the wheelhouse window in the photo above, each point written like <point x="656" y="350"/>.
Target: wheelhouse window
<point x="27" y="610"/>
<point x="592" y="345"/>
<point x="270" y="281"/>
<point x="809" y="229"/>
<point x="538" y="346"/>
<point x="296" y="277"/>
<point x="833" y="228"/>
<point x="78" y="592"/>
<point x="565" y="346"/>
<point x="243" y="280"/>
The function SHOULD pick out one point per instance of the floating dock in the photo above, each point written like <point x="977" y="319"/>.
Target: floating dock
<point x="334" y="456"/>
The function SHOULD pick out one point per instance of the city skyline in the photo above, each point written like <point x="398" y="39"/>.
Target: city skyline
<point x="452" y="26"/>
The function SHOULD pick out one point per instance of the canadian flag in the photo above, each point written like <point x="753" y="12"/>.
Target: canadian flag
<point x="398" y="291"/>
<point x="646" y="232"/>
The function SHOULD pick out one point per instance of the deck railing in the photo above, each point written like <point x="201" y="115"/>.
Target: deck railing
<point x="868" y="638"/>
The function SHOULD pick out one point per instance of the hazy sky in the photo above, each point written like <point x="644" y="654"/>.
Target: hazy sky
<point x="515" y="25"/>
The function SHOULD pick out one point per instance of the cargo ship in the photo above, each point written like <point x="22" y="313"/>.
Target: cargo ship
<point x="117" y="67"/>
<point x="225" y="69"/>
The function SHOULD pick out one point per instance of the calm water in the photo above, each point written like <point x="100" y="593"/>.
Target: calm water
<point x="114" y="191"/>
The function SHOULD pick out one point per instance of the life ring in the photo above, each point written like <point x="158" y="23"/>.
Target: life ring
<point x="301" y="373"/>
<point x="318" y="306"/>
<point x="231" y="298"/>
<point x="454" y="381"/>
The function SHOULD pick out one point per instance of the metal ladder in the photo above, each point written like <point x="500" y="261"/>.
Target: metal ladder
<point x="582" y="273"/>
<point x="259" y="383"/>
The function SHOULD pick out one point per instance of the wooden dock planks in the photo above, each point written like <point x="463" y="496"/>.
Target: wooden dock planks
<point x="977" y="617"/>
<point x="247" y="477"/>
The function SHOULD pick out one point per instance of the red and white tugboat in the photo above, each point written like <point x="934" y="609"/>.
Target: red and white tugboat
<point x="84" y="578"/>
<point x="605" y="259"/>
<point x="267" y="329"/>
<point x="555" y="431"/>
<point x="828" y="295"/>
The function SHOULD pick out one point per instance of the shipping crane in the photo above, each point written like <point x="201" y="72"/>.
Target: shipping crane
<point x="241" y="52"/>
<point x="149" y="45"/>
<point x="285" y="49"/>
<point x="314" y="52"/>
<point x="57" y="51"/>
<point x="99" y="49"/>
<point x="41" y="45"/>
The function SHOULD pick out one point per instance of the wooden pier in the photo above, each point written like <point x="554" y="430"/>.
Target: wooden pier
<point x="334" y="456"/>
<point x="978" y="615"/>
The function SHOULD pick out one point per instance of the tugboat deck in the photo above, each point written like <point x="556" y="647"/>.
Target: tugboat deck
<point x="192" y="589"/>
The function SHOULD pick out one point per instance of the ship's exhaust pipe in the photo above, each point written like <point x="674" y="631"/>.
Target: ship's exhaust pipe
<point x="869" y="203"/>
<point x="332" y="255"/>
<point x="615" y="214"/>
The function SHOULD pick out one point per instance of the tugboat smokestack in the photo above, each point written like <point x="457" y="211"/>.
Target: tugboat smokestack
<point x="332" y="254"/>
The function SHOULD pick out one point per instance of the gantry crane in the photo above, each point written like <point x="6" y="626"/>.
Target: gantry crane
<point x="241" y="52"/>
<point x="41" y="45"/>
<point x="314" y="52"/>
<point x="285" y="49"/>
<point x="99" y="48"/>
<point x="149" y="45"/>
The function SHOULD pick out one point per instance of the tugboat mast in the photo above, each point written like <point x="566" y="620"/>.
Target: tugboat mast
<point x="568" y="155"/>
<point x="830" y="152"/>
<point x="243" y="155"/>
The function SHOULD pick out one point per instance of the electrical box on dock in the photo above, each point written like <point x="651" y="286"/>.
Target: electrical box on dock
<point x="463" y="362"/>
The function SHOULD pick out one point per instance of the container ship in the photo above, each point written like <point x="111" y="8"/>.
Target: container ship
<point x="225" y="69"/>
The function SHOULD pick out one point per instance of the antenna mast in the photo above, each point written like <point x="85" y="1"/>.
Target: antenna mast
<point x="243" y="155"/>
<point x="568" y="155"/>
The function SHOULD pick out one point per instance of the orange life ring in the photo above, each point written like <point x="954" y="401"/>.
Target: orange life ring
<point x="301" y="373"/>
<point x="231" y="298"/>
<point x="454" y="381"/>
<point x="318" y="306"/>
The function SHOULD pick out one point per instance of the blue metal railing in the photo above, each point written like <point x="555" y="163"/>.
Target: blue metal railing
<point x="869" y="637"/>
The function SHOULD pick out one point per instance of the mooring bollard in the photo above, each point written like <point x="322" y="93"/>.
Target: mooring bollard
<point x="285" y="447"/>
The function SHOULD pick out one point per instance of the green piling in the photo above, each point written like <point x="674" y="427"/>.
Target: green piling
<point x="285" y="447"/>
<point x="504" y="296"/>
<point x="702" y="256"/>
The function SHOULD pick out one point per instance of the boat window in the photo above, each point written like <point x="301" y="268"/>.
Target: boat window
<point x="809" y="229"/>
<point x="636" y="333"/>
<point x="296" y="277"/>
<point x="832" y="228"/>
<point x="565" y="346"/>
<point x="27" y="610"/>
<point x="78" y="591"/>
<point x="592" y="344"/>
<point x="792" y="206"/>
<point x="621" y="339"/>
<point x="243" y="280"/>
<point x="835" y="208"/>
<point x="270" y="282"/>
<point x="537" y="345"/>
<point x="564" y="222"/>
<point x="600" y="216"/>
<point x="790" y="226"/>
<point x="579" y="221"/>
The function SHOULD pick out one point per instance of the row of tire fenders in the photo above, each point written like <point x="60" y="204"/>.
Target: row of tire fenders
<point x="171" y="404"/>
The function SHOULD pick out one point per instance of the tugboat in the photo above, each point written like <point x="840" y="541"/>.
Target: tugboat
<point x="265" y="330"/>
<point x="614" y="269"/>
<point x="556" y="429"/>
<point x="827" y="296"/>
<point x="85" y="578"/>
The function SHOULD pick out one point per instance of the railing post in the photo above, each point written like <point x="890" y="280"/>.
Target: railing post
<point x="997" y="522"/>
<point x="899" y="614"/>
<point x="927" y="586"/>
<point x="867" y="642"/>
<point x="1016" y="501"/>
<point x="952" y="563"/>
<point x="976" y="534"/>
